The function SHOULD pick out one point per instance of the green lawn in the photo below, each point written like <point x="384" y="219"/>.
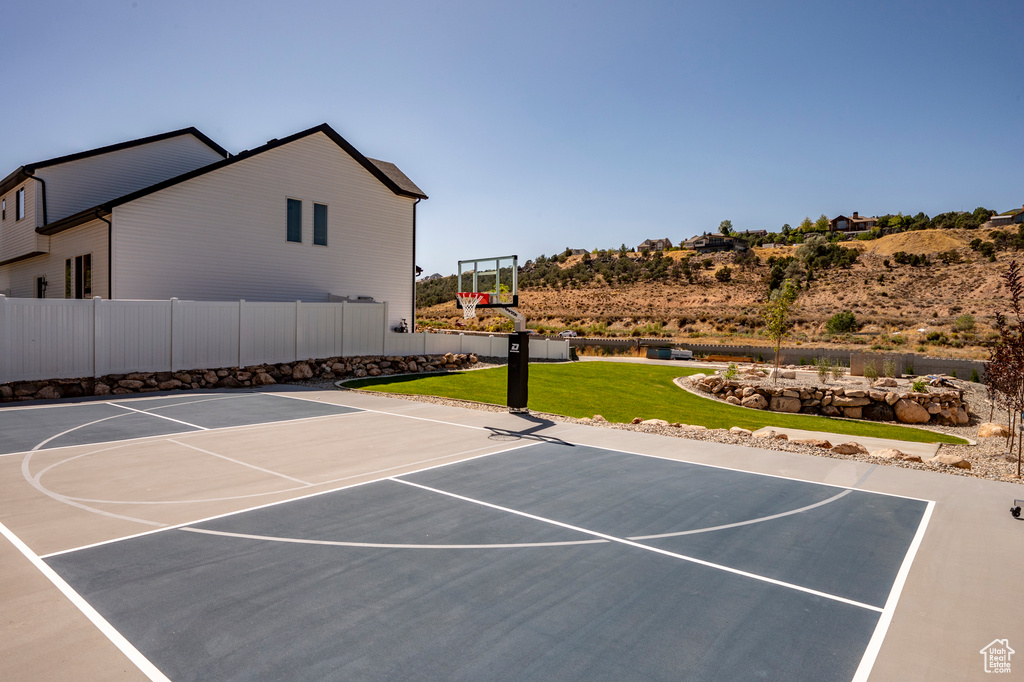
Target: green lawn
<point x="621" y="391"/>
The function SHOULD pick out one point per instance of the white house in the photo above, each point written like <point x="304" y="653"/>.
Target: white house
<point x="305" y="217"/>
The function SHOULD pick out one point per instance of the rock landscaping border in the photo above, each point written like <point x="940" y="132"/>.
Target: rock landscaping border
<point x="883" y="401"/>
<point x="235" y="377"/>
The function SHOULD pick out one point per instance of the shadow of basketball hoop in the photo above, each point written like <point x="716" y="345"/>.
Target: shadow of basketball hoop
<point x="498" y="434"/>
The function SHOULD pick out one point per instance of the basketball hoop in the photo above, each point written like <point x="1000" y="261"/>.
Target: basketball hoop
<point x="468" y="301"/>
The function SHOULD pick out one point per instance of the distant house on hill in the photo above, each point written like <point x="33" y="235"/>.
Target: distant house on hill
<point x="1009" y="218"/>
<point x="578" y="252"/>
<point x="852" y="225"/>
<point x="709" y="243"/>
<point x="655" y="245"/>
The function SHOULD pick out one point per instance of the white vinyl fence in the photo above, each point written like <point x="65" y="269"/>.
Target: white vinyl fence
<point x="485" y="346"/>
<point x="65" y="339"/>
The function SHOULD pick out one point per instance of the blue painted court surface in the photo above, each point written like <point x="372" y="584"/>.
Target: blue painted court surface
<point x="544" y="561"/>
<point x="104" y="421"/>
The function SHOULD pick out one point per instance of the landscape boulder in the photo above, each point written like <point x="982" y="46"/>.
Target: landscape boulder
<point x="909" y="412"/>
<point x="878" y="412"/>
<point x="884" y="382"/>
<point x="950" y="461"/>
<point x="781" y="403"/>
<point x="893" y="453"/>
<point x="739" y="431"/>
<point x="756" y="401"/>
<point x="990" y="430"/>
<point x="851" y="448"/>
<point x="816" y="442"/>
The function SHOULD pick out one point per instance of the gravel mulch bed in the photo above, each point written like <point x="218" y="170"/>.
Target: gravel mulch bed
<point x="988" y="457"/>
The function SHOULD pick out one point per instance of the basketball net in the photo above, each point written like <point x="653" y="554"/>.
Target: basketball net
<point x="469" y="301"/>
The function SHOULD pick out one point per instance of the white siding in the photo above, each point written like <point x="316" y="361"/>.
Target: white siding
<point x="221" y="236"/>
<point x="77" y="185"/>
<point x="19" y="237"/>
<point x="89" y="238"/>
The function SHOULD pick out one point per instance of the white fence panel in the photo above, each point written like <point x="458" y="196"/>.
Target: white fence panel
<point x="267" y="333"/>
<point x="135" y="334"/>
<point x="363" y="328"/>
<point x="209" y="334"/>
<point x="406" y="344"/>
<point x="317" y="325"/>
<point x="47" y="339"/>
<point x="549" y="349"/>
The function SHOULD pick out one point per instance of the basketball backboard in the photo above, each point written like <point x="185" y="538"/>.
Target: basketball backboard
<point x="496" y="280"/>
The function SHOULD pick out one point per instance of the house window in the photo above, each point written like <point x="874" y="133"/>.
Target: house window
<point x="320" y="224"/>
<point x="41" y="287"/>
<point x="294" y="220"/>
<point x="3" y="208"/>
<point x="19" y="204"/>
<point x="78" y="277"/>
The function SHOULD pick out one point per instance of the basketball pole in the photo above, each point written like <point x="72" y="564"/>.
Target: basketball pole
<point x="517" y="393"/>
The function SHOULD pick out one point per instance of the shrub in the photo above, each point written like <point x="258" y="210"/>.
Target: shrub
<point x="910" y="369"/>
<point x="870" y="371"/>
<point x="822" y="366"/>
<point x="724" y="274"/>
<point x="837" y="370"/>
<point x="953" y="374"/>
<point x="842" y="323"/>
<point x="974" y="376"/>
<point x="889" y="367"/>
<point x="919" y="386"/>
<point x="964" y="323"/>
<point x="730" y="371"/>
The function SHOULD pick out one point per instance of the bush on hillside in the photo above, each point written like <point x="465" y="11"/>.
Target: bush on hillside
<point x="842" y="323"/>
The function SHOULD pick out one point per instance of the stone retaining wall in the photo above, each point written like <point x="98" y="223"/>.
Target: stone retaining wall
<point x="235" y="377"/>
<point x="881" y="402"/>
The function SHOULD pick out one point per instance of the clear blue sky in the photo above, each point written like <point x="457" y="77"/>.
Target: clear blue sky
<point x="539" y="125"/>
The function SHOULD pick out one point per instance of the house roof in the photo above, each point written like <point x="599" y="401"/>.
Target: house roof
<point x="387" y="173"/>
<point x="26" y="171"/>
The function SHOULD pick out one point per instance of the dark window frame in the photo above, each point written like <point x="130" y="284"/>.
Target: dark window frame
<point x="320" y="230"/>
<point x="293" y="227"/>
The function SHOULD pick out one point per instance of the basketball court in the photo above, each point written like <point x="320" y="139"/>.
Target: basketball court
<point x="295" y="534"/>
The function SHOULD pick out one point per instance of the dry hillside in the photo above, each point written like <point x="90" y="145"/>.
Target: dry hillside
<point x="885" y="298"/>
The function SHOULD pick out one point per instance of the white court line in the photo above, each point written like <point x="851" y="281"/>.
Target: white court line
<point x="384" y="545"/>
<point x="160" y="436"/>
<point x="64" y="433"/>
<point x="116" y="638"/>
<point x="742" y="523"/>
<point x="882" y="627"/>
<point x="379" y="545"/>
<point x="236" y="461"/>
<point x="159" y="416"/>
<point x="301" y="497"/>
<point x="656" y="550"/>
<point x="851" y="488"/>
<point x="393" y="414"/>
<point x="271" y="492"/>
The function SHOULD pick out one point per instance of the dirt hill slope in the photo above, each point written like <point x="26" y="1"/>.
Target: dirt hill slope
<point x="885" y="299"/>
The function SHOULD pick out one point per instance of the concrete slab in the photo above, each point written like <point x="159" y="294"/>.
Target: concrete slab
<point x="958" y="595"/>
<point x="923" y="450"/>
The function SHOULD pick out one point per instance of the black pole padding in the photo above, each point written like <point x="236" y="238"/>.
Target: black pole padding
<point x="518" y="371"/>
